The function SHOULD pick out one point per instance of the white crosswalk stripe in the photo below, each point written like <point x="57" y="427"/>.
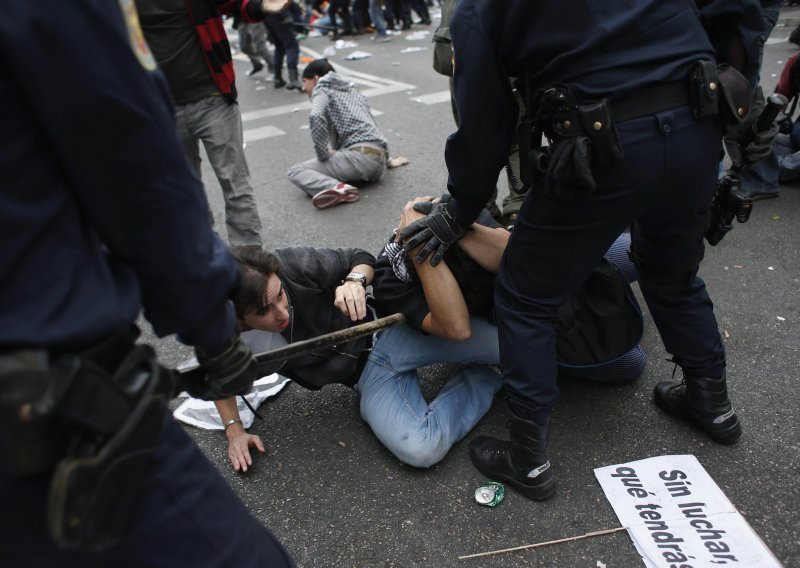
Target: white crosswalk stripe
<point x="433" y="98"/>
<point x="774" y="40"/>
<point x="254" y="134"/>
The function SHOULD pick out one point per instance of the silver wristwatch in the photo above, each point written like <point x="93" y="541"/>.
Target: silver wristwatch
<point x="357" y="277"/>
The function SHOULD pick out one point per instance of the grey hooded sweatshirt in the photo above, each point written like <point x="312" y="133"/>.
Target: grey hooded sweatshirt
<point x="340" y="117"/>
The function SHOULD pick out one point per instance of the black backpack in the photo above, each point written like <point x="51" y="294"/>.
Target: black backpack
<point x="600" y="322"/>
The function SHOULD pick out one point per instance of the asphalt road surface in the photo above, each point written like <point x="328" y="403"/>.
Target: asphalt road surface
<point x="335" y="497"/>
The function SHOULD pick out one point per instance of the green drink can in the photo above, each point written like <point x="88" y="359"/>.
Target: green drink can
<point x="490" y="493"/>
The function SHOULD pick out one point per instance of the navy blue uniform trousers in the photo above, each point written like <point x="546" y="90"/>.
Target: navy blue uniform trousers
<point x="188" y="517"/>
<point x="662" y="190"/>
<point x="282" y="37"/>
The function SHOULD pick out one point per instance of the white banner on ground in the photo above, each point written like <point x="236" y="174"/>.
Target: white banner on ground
<point x="203" y="413"/>
<point x="678" y="517"/>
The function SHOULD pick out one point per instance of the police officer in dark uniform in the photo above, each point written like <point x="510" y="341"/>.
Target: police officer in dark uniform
<point x="627" y="92"/>
<point x="101" y="216"/>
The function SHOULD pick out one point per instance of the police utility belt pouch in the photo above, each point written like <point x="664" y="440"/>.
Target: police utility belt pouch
<point x="29" y="444"/>
<point x="735" y="100"/>
<point x="442" y="51"/>
<point x="96" y="486"/>
<point x="718" y="90"/>
<point x="442" y="48"/>
<point x="582" y="134"/>
<point x="91" y="418"/>
<point x="704" y="89"/>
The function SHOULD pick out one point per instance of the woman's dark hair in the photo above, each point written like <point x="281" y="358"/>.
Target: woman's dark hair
<point x="476" y="283"/>
<point x="256" y="266"/>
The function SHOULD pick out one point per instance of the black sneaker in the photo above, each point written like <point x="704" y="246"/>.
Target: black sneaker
<point x="257" y="66"/>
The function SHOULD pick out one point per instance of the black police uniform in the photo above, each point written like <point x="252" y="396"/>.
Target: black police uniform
<point x="101" y="216"/>
<point x="661" y="188"/>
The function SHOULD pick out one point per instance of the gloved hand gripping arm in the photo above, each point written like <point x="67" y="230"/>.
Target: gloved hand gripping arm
<point x="437" y="231"/>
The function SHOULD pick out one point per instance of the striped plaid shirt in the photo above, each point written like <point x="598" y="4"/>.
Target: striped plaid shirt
<point x="340" y="117"/>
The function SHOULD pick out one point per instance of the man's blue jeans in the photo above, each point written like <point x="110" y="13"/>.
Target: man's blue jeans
<point x="378" y="22"/>
<point x="418" y="433"/>
<point x="421" y="434"/>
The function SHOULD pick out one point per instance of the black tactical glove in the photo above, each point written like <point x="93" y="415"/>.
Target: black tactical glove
<point x="570" y="169"/>
<point x="761" y="145"/>
<point x="423" y="207"/>
<point x="438" y="231"/>
<point x="485" y="218"/>
<point x="228" y="373"/>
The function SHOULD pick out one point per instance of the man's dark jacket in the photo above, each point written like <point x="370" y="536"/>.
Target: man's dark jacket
<point x="310" y="277"/>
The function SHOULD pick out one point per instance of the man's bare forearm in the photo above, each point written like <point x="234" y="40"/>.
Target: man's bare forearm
<point x="485" y="246"/>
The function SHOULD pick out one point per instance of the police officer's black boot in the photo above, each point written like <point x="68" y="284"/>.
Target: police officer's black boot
<point x="293" y="84"/>
<point x="521" y="462"/>
<point x="703" y="401"/>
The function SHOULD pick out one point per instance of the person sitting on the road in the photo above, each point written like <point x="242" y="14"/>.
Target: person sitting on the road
<point x="291" y="290"/>
<point x="447" y="309"/>
<point x="348" y="144"/>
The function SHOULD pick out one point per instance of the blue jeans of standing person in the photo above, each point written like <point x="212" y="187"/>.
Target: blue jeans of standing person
<point x="376" y="14"/>
<point x="662" y="189"/>
<point x="187" y="516"/>
<point x="418" y="433"/>
<point x="281" y="34"/>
